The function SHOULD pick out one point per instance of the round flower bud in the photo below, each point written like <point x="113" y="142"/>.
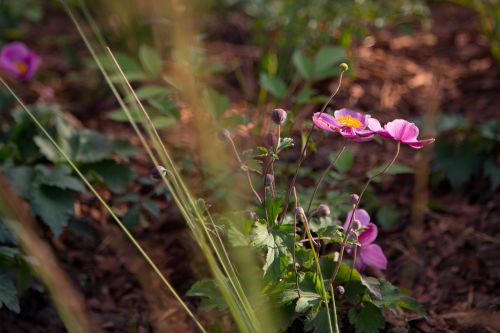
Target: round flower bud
<point x="340" y="290"/>
<point x="323" y="211"/>
<point x="353" y="199"/>
<point x="278" y="116"/>
<point x="224" y="134"/>
<point x="269" y="179"/>
<point x="356" y="225"/>
<point x="299" y="213"/>
<point x="343" y="67"/>
<point x="271" y="140"/>
<point x="158" y="172"/>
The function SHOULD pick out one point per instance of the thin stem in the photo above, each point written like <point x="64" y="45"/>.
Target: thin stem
<point x="323" y="175"/>
<point x="304" y="149"/>
<point x="244" y="168"/>
<point x="334" y="309"/>
<point x="356" y="205"/>
<point x="316" y="260"/>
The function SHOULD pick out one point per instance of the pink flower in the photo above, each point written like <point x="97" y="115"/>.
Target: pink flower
<point x="399" y="130"/>
<point x="369" y="254"/>
<point x="19" y="61"/>
<point x="348" y="123"/>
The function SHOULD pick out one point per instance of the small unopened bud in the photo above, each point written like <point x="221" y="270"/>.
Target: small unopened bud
<point x="269" y="179"/>
<point x="299" y="213"/>
<point x="278" y="116"/>
<point x="323" y="211"/>
<point x="224" y="134"/>
<point x="355" y="225"/>
<point x="353" y="199"/>
<point x="158" y="172"/>
<point x="343" y="67"/>
<point x="271" y="140"/>
<point x="340" y="290"/>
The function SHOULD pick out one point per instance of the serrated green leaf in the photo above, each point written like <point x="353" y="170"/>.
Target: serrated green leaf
<point x="92" y="147"/>
<point x="306" y="301"/>
<point x="211" y="297"/>
<point x="114" y="175"/>
<point x="133" y="217"/>
<point x="150" y="60"/>
<point x="392" y="297"/>
<point x="21" y="179"/>
<point x="369" y="319"/>
<point x="318" y="322"/>
<point x="54" y="205"/>
<point x="8" y="293"/>
<point x="274" y="85"/>
<point x="150" y="91"/>
<point x="60" y="176"/>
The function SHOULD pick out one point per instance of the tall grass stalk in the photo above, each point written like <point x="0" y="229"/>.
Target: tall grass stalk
<point x="106" y="206"/>
<point x="220" y="264"/>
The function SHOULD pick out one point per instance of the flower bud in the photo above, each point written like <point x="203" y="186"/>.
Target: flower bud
<point x="224" y="134"/>
<point x="271" y="140"/>
<point x="323" y="211"/>
<point x="269" y="179"/>
<point x="355" y="225"/>
<point x="343" y="67"/>
<point x="278" y="116"/>
<point x="158" y="172"/>
<point x="353" y="199"/>
<point x="299" y="213"/>
<point x="340" y="290"/>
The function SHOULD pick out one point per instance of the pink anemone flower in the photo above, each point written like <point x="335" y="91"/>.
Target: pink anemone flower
<point x="369" y="254"/>
<point x="399" y="130"/>
<point x="349" y="124"/>
<point x="19" y="61"/>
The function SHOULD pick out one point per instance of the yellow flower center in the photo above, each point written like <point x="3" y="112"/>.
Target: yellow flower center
<point x="349" y="121"/>
<point x="21" y="66"/>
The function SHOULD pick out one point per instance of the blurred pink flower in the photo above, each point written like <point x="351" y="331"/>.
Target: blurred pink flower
<point x="369" y="254"/>
<point x="348" y="123"/>
<point x="19" y="61"/>
<point x="399" y="130"/>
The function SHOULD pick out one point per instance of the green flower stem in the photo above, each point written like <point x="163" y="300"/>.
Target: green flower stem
<point x="334" y="309"/>
<point x="304" y="149"/>
<point x="355" y="206"/>
<point x="323" y="175"/>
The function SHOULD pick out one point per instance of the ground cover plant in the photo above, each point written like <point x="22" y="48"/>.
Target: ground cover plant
<point x="218" y="207"/>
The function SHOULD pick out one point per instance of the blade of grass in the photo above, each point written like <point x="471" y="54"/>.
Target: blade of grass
<point x="106" y="206"/>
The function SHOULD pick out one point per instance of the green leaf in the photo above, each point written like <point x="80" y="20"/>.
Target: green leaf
<point x="6" y="237"/>
<point x="369" y="319"/>
<point x="21" y="179"/>
<point x="54" y="205"/>
<point x="92" y="147"/>
<point x="326" y="60"/>
<point x="387" y="216"/>
<point x="305" y="95"/>
<point x="345" y="161"/>
<point x="394" y="169"/>
<point x="60" y="176"/>
<point x="274" y="85"/>
<point x="133" y="217"/>
<point x="306" y="301"/>
<point x="273" y="207"/>
<point x="8" y="293"/>
<point x="150" y="60"/>
<point x="492" y="170"/>
<point x="392" y="297"/>
<point x="211" y="296"/>
<point x="216" y="102"/>
<point x="318" y="321"/>
<point x="304" y="64"/>
<point x="116" y="176"/>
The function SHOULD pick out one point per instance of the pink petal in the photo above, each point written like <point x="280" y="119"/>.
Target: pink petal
<point x="374" y="126"/>
<point x="326" y="122"/>
<point x="372" y="255"/>
<point x="402" y="130"/>
<point x="420" y="143"/>
<point x="368" y="235"/>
